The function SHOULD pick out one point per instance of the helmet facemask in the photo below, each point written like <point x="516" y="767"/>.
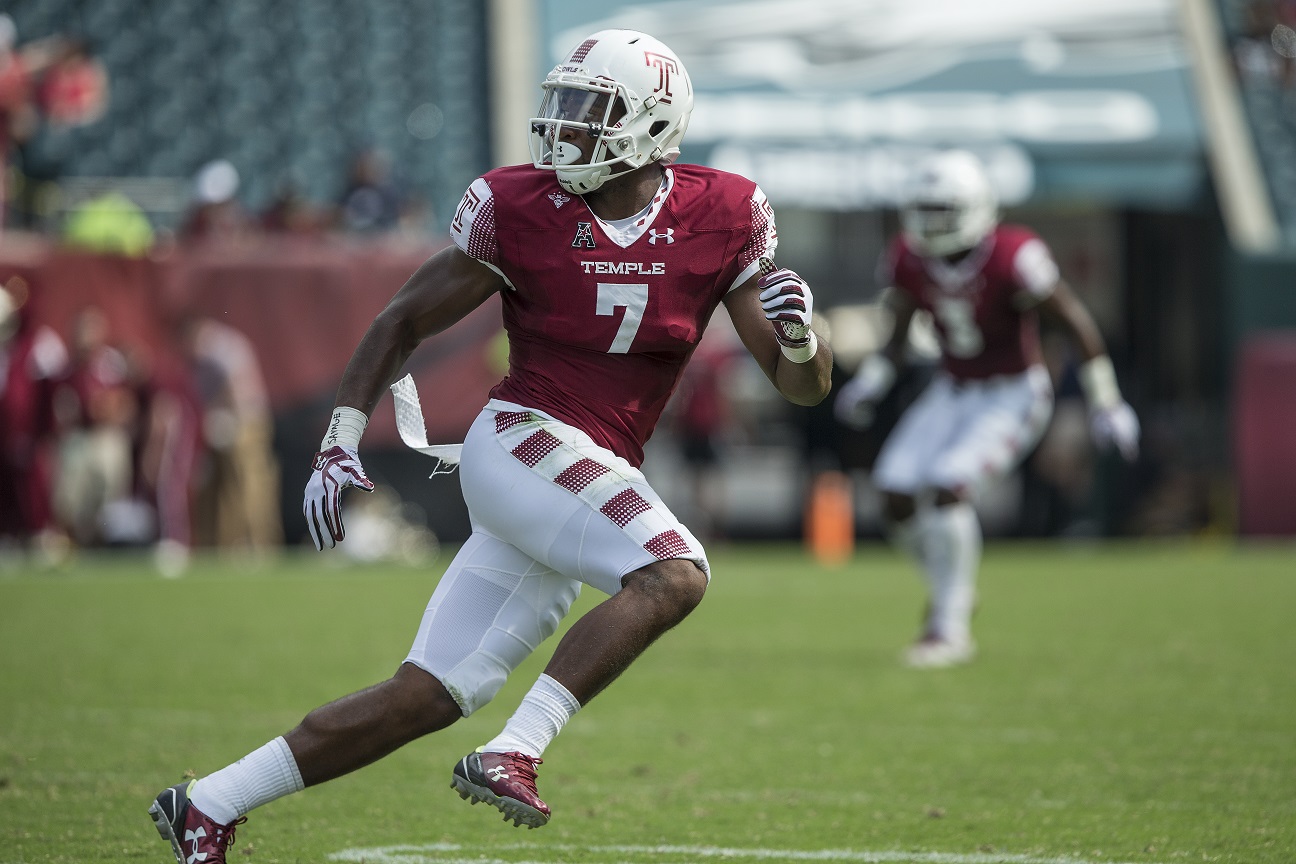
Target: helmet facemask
<point x="952" y="208"/>
<point x="591" y="110"/>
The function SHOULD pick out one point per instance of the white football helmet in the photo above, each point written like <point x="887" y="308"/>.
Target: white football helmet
<point x="625" y="90"/>
<point x="950" y="206"/>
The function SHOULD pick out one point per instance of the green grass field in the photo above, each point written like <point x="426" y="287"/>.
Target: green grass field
<point x="1132" y="703"/>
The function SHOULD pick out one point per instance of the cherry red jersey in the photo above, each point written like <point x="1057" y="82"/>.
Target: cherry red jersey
<point x="983" y="306"/>
<point x="602" y="317"/>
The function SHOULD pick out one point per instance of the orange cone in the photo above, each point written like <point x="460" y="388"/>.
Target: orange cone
<point x="829" y="528"/>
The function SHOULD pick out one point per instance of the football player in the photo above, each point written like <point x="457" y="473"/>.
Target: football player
<point x="985" y="285"/>
<point x="609" y="259"/>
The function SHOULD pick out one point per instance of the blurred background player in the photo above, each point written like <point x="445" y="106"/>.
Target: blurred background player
<point x="610" y="260"/>
<point x="985" y="286"/>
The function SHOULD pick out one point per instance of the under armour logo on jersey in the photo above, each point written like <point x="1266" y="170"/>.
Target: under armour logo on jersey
<point x="654" y="235"/>
<point x="584" y="235"/>
<point x="558" y="199"/>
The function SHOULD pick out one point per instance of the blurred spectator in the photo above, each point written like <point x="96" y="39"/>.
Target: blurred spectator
<point x="1258" y="62"/>
<point x="166" y="443"/>
<point x="109" y="223"/>
<point x="96" y="411"/>
<point x="19" y="119"/>
<point x="74" y="90"/>
<point x="238" y="482"/>
<point x="215" y="212"/>
<point x="31" y="357"/>
<point x="372" y="201"/>
<point x="290" y="213"/>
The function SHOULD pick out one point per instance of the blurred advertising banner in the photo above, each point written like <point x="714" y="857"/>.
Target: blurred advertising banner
<point x="827" y="103"/>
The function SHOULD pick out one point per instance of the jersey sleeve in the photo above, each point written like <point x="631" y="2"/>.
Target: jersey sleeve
<point x="1035" y="271"/>
<point x="761" y="243"/>
<point x="473" y="226"/>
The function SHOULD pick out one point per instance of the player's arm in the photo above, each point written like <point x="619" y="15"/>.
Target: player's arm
<point x="1112" y="421"/>
<point x="441" y="292"/>
<point x="857" y="400"/>
<point x="772" y="314"/>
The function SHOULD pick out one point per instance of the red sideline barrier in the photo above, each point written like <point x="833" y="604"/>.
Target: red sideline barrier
<point x="1263" y="434"/>
<point x="304" y="304"/>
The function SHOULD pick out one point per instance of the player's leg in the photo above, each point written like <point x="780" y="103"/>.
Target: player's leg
<point x="483" y="616"/>
<point x="902" y="473"/>
<point x="1000" y="421"/>
<point x="581" y="510"/>
<point x="951" y="546"/>
<point x="199" y="817"/>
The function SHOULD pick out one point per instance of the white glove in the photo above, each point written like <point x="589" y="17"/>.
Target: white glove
<point x="857" y="400"/>
<point x="335" y="469"/>
<point x="788" y="303"/>
<point x="1116" y="426"/>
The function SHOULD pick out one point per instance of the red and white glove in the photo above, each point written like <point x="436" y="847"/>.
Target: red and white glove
<point x="1112" y="422"/>
<point x="1116" y="426"/>
<point x="335" y="469"/>
<point x="789" y="305"/>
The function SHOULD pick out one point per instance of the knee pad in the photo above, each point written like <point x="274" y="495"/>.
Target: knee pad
<point x="492" y="608"/>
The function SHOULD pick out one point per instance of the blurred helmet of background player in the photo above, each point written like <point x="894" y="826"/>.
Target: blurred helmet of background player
<point x="951" y="206"/>
<point x="550" y="468"/>
<point x="985" y="286"/>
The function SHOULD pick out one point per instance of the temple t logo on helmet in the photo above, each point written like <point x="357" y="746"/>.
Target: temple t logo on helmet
<point x="950" y="206"/>
<point x="621" y="97"/>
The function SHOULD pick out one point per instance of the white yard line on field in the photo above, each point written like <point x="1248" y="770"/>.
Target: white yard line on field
<point x="453" y="853"/>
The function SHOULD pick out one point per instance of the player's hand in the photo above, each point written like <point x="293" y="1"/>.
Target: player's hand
<point x="335" y="469"/>
<point x="1116" y="426"/>
<point x="788" y="304"/>
<point x="857" y="400"/>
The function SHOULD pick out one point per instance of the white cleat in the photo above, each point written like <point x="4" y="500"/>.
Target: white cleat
<point x="935" y="653"/>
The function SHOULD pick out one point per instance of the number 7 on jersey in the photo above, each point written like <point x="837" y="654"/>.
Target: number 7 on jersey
<point x="634" y="297"/>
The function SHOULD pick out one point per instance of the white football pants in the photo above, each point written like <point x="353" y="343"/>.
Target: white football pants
<point x="960" y="435"/>
<point x="549" y="509"/>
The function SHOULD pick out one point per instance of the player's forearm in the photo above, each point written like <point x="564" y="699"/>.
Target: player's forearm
<point x="806" y="383"/>
<point x="377" y="362"/>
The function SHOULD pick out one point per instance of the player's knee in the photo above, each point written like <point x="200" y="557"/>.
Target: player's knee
<point x="898" y="507"/>
<point x="671" y="589"/>
<point x="420" y="702"/>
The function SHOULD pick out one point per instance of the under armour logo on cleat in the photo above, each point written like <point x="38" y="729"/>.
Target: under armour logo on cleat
<point x="193" y="837"/>
<point x="497" y="773"/>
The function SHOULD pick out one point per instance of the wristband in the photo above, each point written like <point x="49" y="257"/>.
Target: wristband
<point x="345" y="428"/>
<point x="1098" y="380"/>
<point x="804" y="352"/>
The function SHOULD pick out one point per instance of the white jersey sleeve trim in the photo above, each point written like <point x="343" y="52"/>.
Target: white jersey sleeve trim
<point x="763" y="241"/>
<point x="473" y="227"/>
<point x="1036" y="272"/>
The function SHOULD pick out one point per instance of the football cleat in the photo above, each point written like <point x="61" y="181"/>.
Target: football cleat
<point x="194" y="837"/>
<point x="934" y="652"/>
<point x="504" y="780"/>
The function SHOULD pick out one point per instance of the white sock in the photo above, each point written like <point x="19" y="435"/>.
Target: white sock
<point x="951" y="544"/>
<point x="538" y="720"/>
<point x="258" y="778"/>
